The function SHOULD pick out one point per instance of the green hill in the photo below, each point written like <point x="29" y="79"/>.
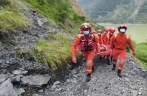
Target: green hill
<point x="115" y="11"/>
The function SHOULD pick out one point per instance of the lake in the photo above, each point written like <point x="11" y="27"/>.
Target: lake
<point x="138" y="32"/>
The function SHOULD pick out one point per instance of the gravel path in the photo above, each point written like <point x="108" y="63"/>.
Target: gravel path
<point x="104" y="81"/>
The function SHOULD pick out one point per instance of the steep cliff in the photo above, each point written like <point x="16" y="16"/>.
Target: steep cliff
<point x="77" y="8"/>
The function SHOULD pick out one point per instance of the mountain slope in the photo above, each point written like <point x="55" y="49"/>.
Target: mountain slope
<point x="77" y="8"/>
<point x="115" y="11"/>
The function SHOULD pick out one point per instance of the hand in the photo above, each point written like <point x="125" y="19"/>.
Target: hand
<point x="74" y="60"/>
<point x="96" y="50"/>
<point x="134" y="53"/>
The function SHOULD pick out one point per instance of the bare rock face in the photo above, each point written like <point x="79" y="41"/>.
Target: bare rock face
<point x="6" y="89"/>
<point x="77" y="8"/>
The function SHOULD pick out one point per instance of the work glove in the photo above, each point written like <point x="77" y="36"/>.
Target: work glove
<point x="74" y="60"/>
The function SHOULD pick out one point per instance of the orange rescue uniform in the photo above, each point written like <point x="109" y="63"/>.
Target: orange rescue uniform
<point x="87" y="54"/>
<point x="108" y="38"/>
<point x="100" y="39"/>
<point x="118" y="46"/>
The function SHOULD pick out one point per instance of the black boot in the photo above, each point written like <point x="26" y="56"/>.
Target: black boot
<point x="119" y="73"/>
<point x="114" y="67"/>
<point x="109" y="61"/>
<point x="71" y="66"/>
<point x="88" y="78"/>
<point x="92" y="69"/>
<point x="84" y="60"/>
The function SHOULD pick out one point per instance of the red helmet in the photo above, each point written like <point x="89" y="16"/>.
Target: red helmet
<point x="107" y="30"/>
<point x="122" y="26"/>
<point x="112" y="29"/>
<point x="93" y="31"/>
<point x="86" y="26"/>
<point x="99" y="31"/>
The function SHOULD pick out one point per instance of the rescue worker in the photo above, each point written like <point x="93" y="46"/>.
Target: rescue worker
<point x="108" y="40"/>
<point x="99" y="32"/>
<point x="118" y="46"/>
<point x="104" y="36"/>
<point x="109" y="35"/>
<point x="88" y="42"/>
<point x="93" y="31"/>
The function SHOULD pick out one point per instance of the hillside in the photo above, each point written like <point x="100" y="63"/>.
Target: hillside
<point x="114" y="11"/>
<point x="77" y="8"/>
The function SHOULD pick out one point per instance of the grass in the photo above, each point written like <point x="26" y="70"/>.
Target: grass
<point x="141" y="53"/>
<point x="59" y="11"/>
<point x="10" y="16"/>
<point x="56" y="50"/>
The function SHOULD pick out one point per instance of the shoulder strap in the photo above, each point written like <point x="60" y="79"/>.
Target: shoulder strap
<point x="115" y="35"/>
<point x="128" y="36"/>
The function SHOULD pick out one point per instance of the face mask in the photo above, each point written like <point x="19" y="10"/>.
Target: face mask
<point x="122" y="30"/>
<point x="85" y="32"/>
<point x="99" y="33"/>
<point x="111" y="33"/>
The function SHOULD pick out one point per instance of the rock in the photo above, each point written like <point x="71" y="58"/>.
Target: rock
<point x="19" y="90"/>
<point x="3" y="77"/>
<point x="37" y="80"/>
<point x="36" y="95"/>
<point x="19" y="72"/>
<point x="16" y="78"/>
<point x="134" y="93"/>
<point x="1" y="61"/>
<point x="57" y="83"/>
<point x="6" y="89"/>
<point x="40" y="91"/>
<point x="139" y="93"/>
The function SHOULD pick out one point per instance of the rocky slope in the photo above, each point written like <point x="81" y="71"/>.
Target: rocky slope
<point x="18" y="71"/>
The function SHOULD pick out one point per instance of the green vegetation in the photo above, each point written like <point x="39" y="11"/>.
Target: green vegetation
<point x="141" y="53"/>
<point x="56" y="50"/>
<point x="59" y="11"/>
<point x="10" y="16"/>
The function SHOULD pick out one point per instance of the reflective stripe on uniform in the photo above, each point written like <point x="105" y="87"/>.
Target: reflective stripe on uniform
<point x="119" y="68"/>
<point x="89" y="70"/>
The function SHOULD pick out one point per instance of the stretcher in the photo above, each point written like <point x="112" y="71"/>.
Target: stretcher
<point x="104" y="50"/>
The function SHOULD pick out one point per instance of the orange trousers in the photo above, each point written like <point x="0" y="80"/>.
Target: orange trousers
<point x="122" y="57"/>
<point x="89" y="56"/>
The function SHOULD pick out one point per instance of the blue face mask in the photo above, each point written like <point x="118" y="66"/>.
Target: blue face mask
<point x="85" y="32"/>
<point x="122" y="30"/>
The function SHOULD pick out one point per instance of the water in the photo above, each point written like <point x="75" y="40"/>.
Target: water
<point x="138" y="32"/>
